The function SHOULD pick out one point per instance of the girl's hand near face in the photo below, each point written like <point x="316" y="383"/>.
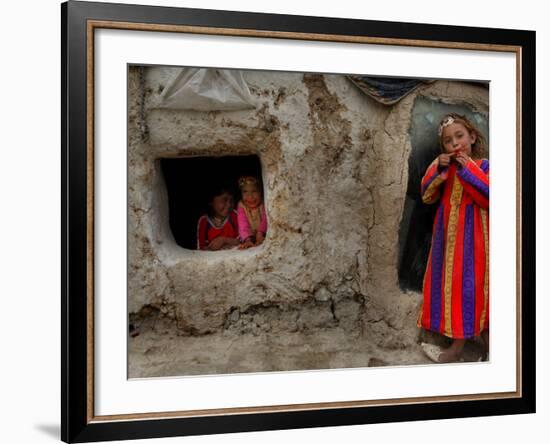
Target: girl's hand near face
<point x="462" y="158"/>
<point x="444" y="160"/>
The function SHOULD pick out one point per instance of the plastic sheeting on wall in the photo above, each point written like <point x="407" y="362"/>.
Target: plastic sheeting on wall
<point x="207" y="89"/>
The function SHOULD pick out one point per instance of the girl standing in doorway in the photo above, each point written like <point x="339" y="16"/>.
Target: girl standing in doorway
<point x="456" y="282"/>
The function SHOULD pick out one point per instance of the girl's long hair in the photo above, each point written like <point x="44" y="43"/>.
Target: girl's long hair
<point x="479" y="148"/>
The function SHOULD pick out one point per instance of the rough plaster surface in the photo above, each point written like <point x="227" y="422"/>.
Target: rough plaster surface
<point x="334" y="165"/>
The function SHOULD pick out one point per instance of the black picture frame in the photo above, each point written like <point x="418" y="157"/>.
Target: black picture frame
<point x="77" y="422"/>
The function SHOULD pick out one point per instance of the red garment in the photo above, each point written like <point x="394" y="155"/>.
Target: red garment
<point x="207" y="231"/>
<point x="456" y="283"/>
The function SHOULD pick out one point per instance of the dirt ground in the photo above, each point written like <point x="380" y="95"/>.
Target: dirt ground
<point x="158" y="350"/>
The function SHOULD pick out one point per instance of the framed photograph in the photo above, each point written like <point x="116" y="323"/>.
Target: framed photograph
<point x="275" y="222"/>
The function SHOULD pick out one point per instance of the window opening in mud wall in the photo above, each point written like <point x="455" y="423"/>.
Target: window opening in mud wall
<point x="416" y="225"/>
<point x="190" y="183"/>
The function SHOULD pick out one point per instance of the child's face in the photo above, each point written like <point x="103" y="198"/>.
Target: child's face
<point x="222" y="204"/>
<point x="251" y="195"/>
<point x="456" y="137"/>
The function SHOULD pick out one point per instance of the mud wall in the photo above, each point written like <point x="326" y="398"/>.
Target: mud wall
<point x="335" y="170"/>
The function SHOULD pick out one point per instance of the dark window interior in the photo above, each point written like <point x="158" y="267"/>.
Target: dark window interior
<point x="190" y="181"/>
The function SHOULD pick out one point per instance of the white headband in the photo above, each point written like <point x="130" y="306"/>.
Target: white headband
<point x="446" y="122"/>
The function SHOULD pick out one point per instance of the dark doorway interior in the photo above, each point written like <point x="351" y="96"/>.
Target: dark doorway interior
<point x="190" y="181"/>
<point x="416" y="225"/>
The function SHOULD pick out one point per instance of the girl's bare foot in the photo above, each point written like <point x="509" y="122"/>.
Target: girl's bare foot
<point x="454" y="352"/>
<point x="449" y="355"/>
<point x="443" y="356"/>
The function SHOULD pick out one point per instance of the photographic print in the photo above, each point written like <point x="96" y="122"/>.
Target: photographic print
<point x="242" y="183"/>
<point x="277" y="221"/>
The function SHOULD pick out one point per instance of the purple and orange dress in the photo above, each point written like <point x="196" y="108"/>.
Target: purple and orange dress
<point x="456" y="283"/>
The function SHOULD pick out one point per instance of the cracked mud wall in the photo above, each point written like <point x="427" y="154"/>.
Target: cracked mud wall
<point x="334" y="166"/>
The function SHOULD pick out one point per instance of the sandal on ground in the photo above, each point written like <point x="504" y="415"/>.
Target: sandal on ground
<point x="434" y="352"/>
<point x="431" y="351"/>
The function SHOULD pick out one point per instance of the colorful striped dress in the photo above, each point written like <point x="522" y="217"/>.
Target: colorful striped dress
<point x="456" y="283"/>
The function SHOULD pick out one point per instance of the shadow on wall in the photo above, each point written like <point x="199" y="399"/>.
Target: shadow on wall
<point x="416" y="225"/>
<point x="189" y="183"/>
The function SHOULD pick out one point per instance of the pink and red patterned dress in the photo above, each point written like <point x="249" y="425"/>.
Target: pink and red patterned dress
<point x="251" y="220"/>
<point x="456" y="283"/>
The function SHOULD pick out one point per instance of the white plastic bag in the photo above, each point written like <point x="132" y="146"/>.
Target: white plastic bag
<point x="207" y="89"/>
